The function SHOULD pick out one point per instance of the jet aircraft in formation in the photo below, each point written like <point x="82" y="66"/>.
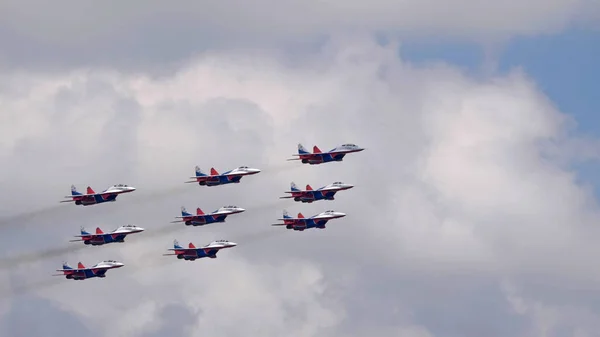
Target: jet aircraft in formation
<point x="192" y="252"/>
<point x="100" y="238"/>
<point x="301" y="223"/>
<point x="202" y="218"/>
<point x="215" y="179"/>
<point x="92" y="198"/>
<point x="322" y="193"/>
<point x="82" y="273"/>
<point x="319" y="157"/>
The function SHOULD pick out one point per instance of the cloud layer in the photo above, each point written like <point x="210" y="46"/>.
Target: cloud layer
<point x="464" y="220"/>
<point x="39" y="34"/>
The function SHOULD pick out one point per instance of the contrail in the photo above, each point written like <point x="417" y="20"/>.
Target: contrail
<point x="7" y="262"/>
<point x="15" y="261"/>
<point x="140" y="196"/>
<point x="247" y="239"/>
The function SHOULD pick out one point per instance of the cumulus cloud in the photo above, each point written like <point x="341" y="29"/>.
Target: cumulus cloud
<point x="463" y="190"/>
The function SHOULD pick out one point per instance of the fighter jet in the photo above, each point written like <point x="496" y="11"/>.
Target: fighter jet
<point x="192" y="253"/>
<point x="92" y="198"/>
<point x="316" y="221"/>
<point x="100" y="238"/>
<point x="215" y="179"/>
<point x="318" y="157"/>
<point x="201" y="218"/>
<point x="82" y="273"/>
<point x="309" y="195"/>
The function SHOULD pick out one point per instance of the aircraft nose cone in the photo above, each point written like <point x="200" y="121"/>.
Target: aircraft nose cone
<point x="141" y="229"/>
<point x="348" y="186"/>
<point x="232" y="244"/>
<point x="340" y="214"/>
<point x="119" y="264"/>
<point x="239" y="209"/>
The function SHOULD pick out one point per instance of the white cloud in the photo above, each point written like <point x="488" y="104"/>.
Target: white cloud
<point x="456" y="189"/>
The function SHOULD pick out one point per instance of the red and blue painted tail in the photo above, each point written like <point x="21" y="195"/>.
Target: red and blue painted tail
<point x="294" y="187"/>
<point x="184" y="212"/>
<point x="74" y="191"/>
<point x="199" y="172"/>
<point x="302" y="150"/>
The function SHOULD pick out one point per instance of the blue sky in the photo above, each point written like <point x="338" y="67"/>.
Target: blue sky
<point x="564" y="66"/>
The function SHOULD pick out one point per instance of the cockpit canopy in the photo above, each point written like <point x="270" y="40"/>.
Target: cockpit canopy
<point x="329" y="212"/>
<point x="109" y="261"/>
<point x="243" y="167"/>
<point x="338" y="183"/>
<point x="230" y="207"/>
<point x="349" y="145"/>
<point x="221" y="241"/>
<point x="120" y="185"/>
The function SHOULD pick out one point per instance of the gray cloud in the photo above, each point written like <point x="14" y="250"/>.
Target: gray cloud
<point x="458" y="225"/>
<point x="157" y="35"/>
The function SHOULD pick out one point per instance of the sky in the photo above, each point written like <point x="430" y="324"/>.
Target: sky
<point x="475" y="207"/>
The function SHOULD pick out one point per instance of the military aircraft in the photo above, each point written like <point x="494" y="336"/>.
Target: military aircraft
<point x="215" y="179"/>
<point x="316" y="221"/>
<point x="319" y="157"/>
<point x="201" y="218"/>
<point x="100" y="238"/>
<point x="309" y="195"/>
<point x="82" y="273"/>
<point x="92" y="198"/>
<point x="192" y="253"/>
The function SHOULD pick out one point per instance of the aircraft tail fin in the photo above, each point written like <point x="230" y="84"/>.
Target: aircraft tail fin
<point x="90" y="190"/>
<point x="99" y="231"/>
<point x="66" y="265"/>
<point x="184" y="212"/>
<point x="309" y="188"/>
<point x="80" y="265"/>
<point x="74" y="190"/>
<point x="199" y="172"/>
<point x="286" y="215"/>
<point x="176" y="244"/>
<point x="301" y="149"/>
<point x="300" y="216"/>
<point x="191" y="245"/>
<point x="84" y="231"/>
<point x="294" y="187"/>
<point x="199" y="211"/>
<point x="316" y="149"/>
<point x="213" y="172"/>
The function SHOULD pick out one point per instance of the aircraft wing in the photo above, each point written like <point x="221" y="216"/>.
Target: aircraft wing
<point x="193" y="216"/>
<point x="74" y="269"/>
<point x="83" y="195"/>
<point x="77" y="240"/>
<point x="198" y="179"/>
<point x="179" y="249"/>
